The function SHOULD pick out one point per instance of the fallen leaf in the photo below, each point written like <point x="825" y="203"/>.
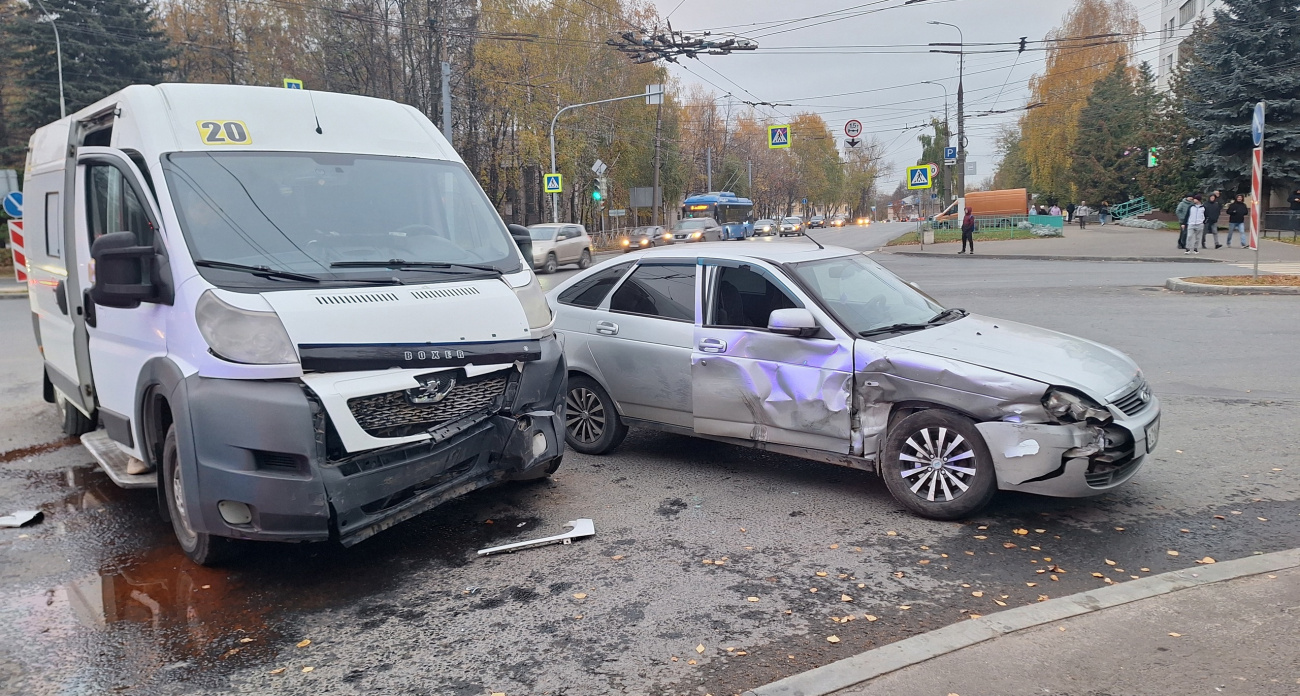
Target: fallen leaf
<point x="1060" y="628"/>
<point x="700" y="648"/>
<point x="749" y="548"/>
<point x="1176" y="635"/>
<point x="742" y="529"/>
<point x="1172" y="552"/>
<point x="999" y="602"/>
<point x="1008" y="545"/>
<point x="812" y="589"/>
<point x="277" y="670"/>
<point x="741" y="652"/>
<point x="1185" y="531"/>
<point x="1036" y="548"/>
<point x="845" y="598"/>
<point x="691" y="662"/>
<point x="673" y="658"/>
<point x="1108" y="581"/>
<point x="1145" y="570"/>
<point x="487" y="521"/>
<point x="836" y="619"/>
<point x="718" y="563"/>
<point x="1021" y="532"/>
<point x="1119" y="529"/>
<point x="904" y="607"/>
<point x="869" y="617"/>
<point x="730" y="649"/>
<point x="1040" y="531"/>
<point x="617" y="558"/>
<point x="821" y="573"/>
<point x="1110" y="562"/>
<point x="925" y="548"/>
<point x="1136" y="577"/>
<point x="1178" y="451"/>
<point x="307" y="669"/>
<point x="580" y="595"/>
<point x="965" y="584"/>
<point x="1276" y="469"/>
<point x="899" y="574"/>
<point x="1042" y="598"/>
<point x="862" y="585"/>
<point x="1031" y="584"/>
<point x="891" y="533"/>
<point x="207" y="587"/>
<point x="981" y="537"/>
<point x="751" y="599"/>
<point x="1236" y="512"/>
<point x="983" y="526"/>
<point x="943" y="555"/>
<point x="977" y="593"/>
<point x="832" y="639"/>
<point x="1040" y="571"/>
<point x="577" y="617"/>
<point x="1054" y="578"/>
<point x="1274" y="577"/>
<point x="707" y="562"/>
<point x="304" y="643"/>
<point x="498" y="693"/>
<point x="1205" y="561"/>
<point x="969" y="553"/>
<point x="245" y="640"/>
<point x="857" y="549"/>
<point x="923" y="562"/>
<point x="1098" y="575"/>
<point x="1047" y="558"/>
<point x="843" y="575"/>
<point x="1220" y="517"/>
<point x="1262" y="519"/>
<point x="835" y="546"/>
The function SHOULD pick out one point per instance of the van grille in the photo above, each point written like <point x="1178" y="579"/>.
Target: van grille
<point x="1133" y="402"/>
<point x="444" y="293"/>
<point x="362" y="298"/>
<point x="391" y="415"/>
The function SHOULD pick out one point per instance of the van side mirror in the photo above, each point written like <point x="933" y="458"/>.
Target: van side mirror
<point x="123" y="271"/>
<point x="523" y="239"/>
<point x="797" y="322"/>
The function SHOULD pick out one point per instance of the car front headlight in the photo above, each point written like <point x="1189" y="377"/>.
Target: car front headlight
<point x="536" y="310"/>
<point x="1068" y="406"/>
<point x="242" y="335"/>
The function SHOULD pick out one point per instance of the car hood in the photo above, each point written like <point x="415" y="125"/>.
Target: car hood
<point x="1026" y="351"/>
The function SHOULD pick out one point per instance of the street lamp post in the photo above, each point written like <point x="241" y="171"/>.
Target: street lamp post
<point x="961" y="110"/>
<point x="58" y="52"/>
<point x="555" y="197"/>
<point x="947" y="135"/>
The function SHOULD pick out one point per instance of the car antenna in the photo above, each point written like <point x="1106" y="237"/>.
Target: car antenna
<point x="314" y="114"/>
<point x="814" y="241"/>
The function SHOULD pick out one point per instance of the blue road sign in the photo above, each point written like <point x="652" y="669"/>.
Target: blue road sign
<point x="804" y="202"/>
<point x="553" y="183"/>
<point x="1257" y="125"/>
<point x="918" y="177"/>
<point x="290" y="83"/>
<point x="950" y="155"/>
<point x="778" y="136"/>
<point x="14" y="204"/>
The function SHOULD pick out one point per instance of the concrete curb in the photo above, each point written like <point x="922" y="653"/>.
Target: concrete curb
<point x="895" y="656"/>
<point x="17" y="292"/>
<point x="1183" y="285"/>
<point x="1046" y="257"/>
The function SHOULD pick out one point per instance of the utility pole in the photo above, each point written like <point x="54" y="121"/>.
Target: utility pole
<point x="446" y="100"/>
<point x="751" y="179"/>
<point x="947" y="137"/>
<point x="961" y="108"/>
<point x="708" y="166"/>
<point x="58" y="52"/>
<point x="555" y="198"/>
<point x="659" y="124"/>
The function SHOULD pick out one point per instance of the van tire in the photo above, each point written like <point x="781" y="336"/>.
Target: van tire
<point x="585" y="399"/>
<point x="550" y="264"/>
<point x="204" y="549"/>
<point x="584" y="261"/>
<point x="74" y="422"/>
<point x="906" y="449"/>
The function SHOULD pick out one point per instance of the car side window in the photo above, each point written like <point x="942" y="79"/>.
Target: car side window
<point x="660" y="290"/>
<point x="743" y="297"/>
<point x="591" y="291"/>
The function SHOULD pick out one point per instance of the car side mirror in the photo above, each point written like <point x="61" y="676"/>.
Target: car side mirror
<point x="797" y="322"/>
<point x="523" y="239"/>
<point x="124" y="271"/>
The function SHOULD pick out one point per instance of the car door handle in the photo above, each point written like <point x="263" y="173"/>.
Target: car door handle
<point x="713" y="345"/>
<point x="607" y="328"/>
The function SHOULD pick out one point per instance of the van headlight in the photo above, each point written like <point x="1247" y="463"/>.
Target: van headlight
<point x="1068" y="406"/>
<point x="243" y="335"/>
<point x="536" y="310"/>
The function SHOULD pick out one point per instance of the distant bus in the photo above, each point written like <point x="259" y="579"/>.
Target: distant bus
<point x="732" y="213"/>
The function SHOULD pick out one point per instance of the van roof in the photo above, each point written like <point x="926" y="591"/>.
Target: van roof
<point x="156" y="119"/>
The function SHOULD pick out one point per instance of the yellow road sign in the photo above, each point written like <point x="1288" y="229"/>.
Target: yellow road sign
<point x="919" y="177"/>
<point x="290" y="83"/>
<point x="553" y="183"/>
<point x="778" y="136"/>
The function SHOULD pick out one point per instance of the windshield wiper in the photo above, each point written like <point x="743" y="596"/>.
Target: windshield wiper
<point x="940" y="318"/>
<point x="400" y="264"/>
<point x="261" y="271"/>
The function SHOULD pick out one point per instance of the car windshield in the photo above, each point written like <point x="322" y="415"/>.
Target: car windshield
<point x="543" y="233"/>
<point x="645" y="231"/>
<point x="764" y="221"/>
<point x="693" y="224"/>
<point x="336" y="217"/>
<point x="862" y="295"/>
<point x="792" y="221"/>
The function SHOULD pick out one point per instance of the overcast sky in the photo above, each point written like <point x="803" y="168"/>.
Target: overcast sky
<point x="879" y="45"/>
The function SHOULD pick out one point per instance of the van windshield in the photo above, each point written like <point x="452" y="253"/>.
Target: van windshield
<point x="321" y="214"/>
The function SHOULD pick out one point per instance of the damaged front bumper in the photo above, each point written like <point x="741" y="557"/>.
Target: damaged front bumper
<point x="1071" y="461"/>
<point x="276" y="447"/>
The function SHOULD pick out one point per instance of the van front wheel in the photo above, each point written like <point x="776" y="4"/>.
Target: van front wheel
<point x="204" y="549"/>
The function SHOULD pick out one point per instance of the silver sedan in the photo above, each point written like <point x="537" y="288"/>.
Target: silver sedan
<point x="825" y="355"/>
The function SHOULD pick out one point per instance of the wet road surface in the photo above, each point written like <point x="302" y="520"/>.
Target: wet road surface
<point x="98" y="599"/>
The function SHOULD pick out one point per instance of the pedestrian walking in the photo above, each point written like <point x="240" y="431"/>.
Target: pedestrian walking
<point x="1237" y="212"/>
<point x="968" y="231"/>
<point x="1082" y="212"/>
<point x="1295" y="201"/>
<point x="1181" y="211"/>
<point x="1195" y="224"/>
<point x="1103" y="213"/>
<point x="1213" y="208"/>
<point x="1069" y="212"/>
<point x="1054" y="210"/>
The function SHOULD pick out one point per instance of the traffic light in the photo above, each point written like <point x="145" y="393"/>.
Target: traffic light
<point x="1023" y="40"/>
<point x="599" y="190"/>
<point x="1153" y="157"/>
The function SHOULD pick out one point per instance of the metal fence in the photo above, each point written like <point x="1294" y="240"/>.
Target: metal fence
<point x="1282" y="224"/>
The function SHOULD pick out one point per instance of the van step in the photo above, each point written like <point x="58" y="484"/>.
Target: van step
<point x="114" y="461"/>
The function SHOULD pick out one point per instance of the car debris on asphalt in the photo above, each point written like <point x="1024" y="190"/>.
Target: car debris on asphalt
<point x="580" y="528"/>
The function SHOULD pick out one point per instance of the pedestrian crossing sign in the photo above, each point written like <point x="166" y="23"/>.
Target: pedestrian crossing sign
<point x="918" y="177"/>
<point x="778" y="137"/>
<point x="553" y="183"/>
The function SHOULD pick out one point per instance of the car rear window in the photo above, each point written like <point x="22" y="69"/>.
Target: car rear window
<point x="591" y="291"/>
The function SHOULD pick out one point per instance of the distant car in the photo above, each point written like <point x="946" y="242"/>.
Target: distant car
<point x="646" y="238"/>
<point x="697" y="230"/>
<point x="837" y="221"/>
<point x="817" y="221"/>
<point x="765" y="226"/>
<point x="864" y="222"/>
<point x="791" y="225"/>
<point x="559" y="243"/>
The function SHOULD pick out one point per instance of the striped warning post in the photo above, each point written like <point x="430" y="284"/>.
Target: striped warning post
<point x="16" y="244"/>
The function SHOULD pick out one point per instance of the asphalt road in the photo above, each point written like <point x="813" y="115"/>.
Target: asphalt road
<point x="97" y="599"/>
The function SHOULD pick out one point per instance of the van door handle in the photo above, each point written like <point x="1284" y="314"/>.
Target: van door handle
<point x="606" y="328"/>
<point x="713" y="345"/>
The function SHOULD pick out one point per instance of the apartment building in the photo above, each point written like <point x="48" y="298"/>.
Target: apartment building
<point x="1177" y="17"/>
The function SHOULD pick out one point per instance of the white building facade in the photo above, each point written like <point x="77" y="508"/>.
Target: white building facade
<point x="1177" y="17"/>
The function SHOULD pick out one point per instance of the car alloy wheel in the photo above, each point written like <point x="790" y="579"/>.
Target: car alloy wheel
<point x="584" y="416"/>
<point x="936" y="463"/>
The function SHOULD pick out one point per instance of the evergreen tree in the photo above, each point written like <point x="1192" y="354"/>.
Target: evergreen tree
<point x="1177" y="174"/>
<point x="1247" y="55"/>
<point x="1107" y="156"/>
<point x="107" y="45"/>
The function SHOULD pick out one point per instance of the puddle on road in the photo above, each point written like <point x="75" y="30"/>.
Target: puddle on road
<point x="128" y="609"/>
<point x="34" y="450"/>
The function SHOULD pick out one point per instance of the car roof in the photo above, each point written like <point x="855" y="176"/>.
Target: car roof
<point x="777" y="252"/>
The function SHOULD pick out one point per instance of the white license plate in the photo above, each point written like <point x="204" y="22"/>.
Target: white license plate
<point x="1153" y="434"/>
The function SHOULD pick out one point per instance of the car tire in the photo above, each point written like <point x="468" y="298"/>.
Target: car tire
<point x="204" y="549"/>
<point x="591" y="421"/>
<point x="923" y="440"/>
<point x="550" y="264"/>
<point x="584" y="261"/>
<point x="74" y="422"/>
